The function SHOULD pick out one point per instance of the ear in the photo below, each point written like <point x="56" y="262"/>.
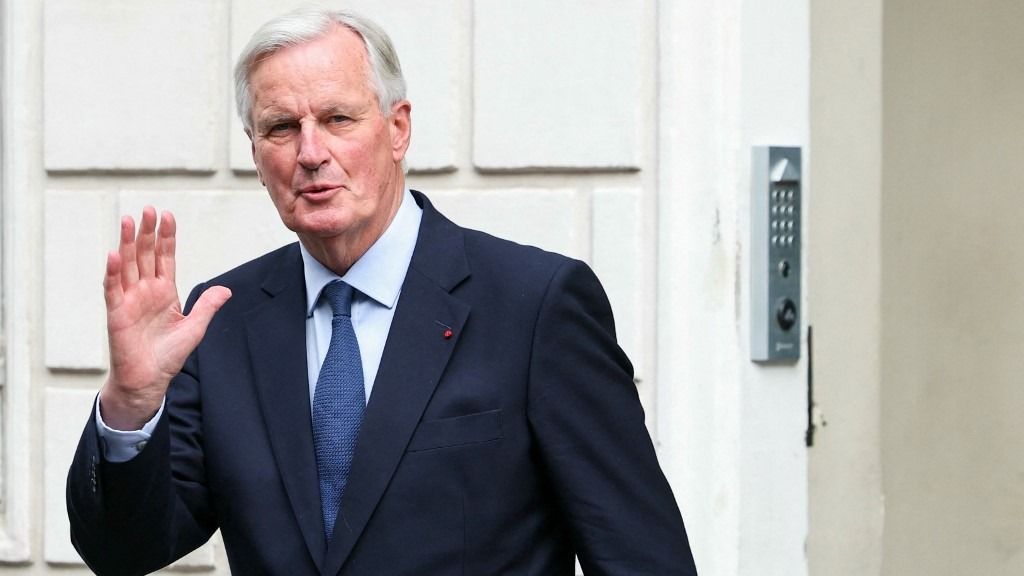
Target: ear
<point x="400" y="125"/>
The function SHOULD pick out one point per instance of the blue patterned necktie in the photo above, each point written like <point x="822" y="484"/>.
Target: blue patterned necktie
<point x="338" y="404"/>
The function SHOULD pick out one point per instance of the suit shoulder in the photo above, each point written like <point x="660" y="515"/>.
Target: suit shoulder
<point x="512" y="272"/>
<point x="258" y="267"/>
<point x="282" y="266"/>
<point x="501" y="257"/>
<point x="252" y="274"/>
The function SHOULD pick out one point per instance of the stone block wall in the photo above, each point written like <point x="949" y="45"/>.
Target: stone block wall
<point x="532" y="120"/>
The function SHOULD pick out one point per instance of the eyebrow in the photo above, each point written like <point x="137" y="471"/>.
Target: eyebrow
<point x="342" y="109"/>
<point x="275" y="118"/>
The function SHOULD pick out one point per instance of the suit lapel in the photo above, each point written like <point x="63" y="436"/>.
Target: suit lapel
<point x="414" y="358"/>
<point x="277" y="341"/>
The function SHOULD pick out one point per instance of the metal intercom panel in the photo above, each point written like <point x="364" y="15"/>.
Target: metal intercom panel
<point x="775" y="271"/>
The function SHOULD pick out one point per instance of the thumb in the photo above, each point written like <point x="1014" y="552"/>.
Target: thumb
<point x="184" y="339"/>
<point x="207" y="305"/>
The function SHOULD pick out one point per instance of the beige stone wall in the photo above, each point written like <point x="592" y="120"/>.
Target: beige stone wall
<point x="845" y="281"/>
<point x="917" y="133"/>
<point x="953" y="288"/>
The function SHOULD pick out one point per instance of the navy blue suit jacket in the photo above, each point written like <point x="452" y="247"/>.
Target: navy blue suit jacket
<point x="503" y="449"/>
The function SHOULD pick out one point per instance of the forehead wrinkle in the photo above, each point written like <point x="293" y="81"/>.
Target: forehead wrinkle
<point x="297" y="81"/>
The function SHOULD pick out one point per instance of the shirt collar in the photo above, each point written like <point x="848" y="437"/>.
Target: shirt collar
<point x="379" y="273"/>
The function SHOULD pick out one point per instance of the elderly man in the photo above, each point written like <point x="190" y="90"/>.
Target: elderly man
<point x="393" y="394"/>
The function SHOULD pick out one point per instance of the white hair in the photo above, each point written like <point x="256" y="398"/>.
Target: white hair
<point x="309" y="23"/>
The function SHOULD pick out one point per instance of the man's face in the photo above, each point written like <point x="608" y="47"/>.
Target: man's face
<point x="330" y="160"/>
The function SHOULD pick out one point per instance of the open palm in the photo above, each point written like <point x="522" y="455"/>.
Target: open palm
<point x="148" y="335"/>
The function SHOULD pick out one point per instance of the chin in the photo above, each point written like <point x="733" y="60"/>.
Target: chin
<point x="321" y="225"/>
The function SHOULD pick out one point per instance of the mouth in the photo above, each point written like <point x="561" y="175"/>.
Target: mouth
<point x="318" y="192"/>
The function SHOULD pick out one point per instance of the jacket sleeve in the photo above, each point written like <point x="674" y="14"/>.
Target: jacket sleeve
<point x="138" y="516"/>
<point x="588" y="422"/>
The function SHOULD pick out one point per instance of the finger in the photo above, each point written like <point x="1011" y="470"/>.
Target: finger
<point x="165" y="246"/>
<point x="209" y="302"/>
<point x="129" y="267"/>
<point x="113" y="293"/>
<point x="145" y="242"/>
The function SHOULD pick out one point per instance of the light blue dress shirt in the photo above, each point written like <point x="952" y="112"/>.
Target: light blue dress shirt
<point x="377" y="278"/>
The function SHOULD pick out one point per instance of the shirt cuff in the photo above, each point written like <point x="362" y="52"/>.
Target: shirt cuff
<point x="120" y="445"/>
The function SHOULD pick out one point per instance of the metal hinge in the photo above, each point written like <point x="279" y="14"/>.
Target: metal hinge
<point x="812" y="408"/>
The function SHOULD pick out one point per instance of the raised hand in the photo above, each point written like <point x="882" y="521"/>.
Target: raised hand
<point x="148" y="335"/>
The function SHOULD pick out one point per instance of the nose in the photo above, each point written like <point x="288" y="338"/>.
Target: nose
<point x="312" y="152"/>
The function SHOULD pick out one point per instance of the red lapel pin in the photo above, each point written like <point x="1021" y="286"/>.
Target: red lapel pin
<point x="448" y="332"/>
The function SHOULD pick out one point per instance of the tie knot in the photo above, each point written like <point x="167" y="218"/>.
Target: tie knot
<point x="339" y="296"/>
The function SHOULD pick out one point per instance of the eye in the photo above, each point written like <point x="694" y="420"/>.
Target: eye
<point x="338" y="118"/>
<point x="278" y="126"/>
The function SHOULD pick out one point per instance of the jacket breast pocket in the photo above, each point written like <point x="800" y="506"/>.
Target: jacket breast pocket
<point x="456" y="431"/>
